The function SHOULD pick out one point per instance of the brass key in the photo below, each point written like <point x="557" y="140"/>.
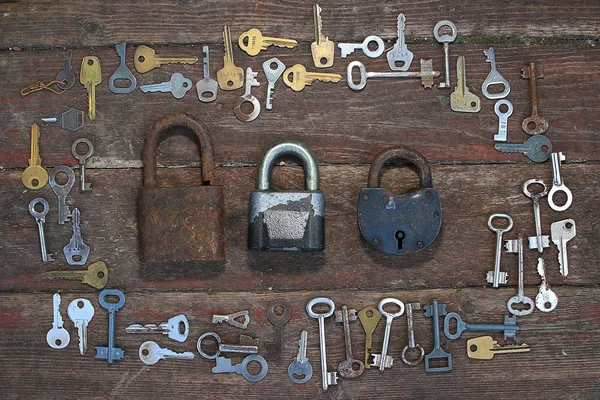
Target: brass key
<point x="146" y="60"/>
<point x="485" y="348"/>
<point x="35" y="176"/>
<point x="462" y="100"/>
<point x="322" y="48"/>
<point x="369" y="318"/>
<point x="96" y="275"/>
<point x="300" y="77"/>
<point x="252" y="42"/>
<point x="229" y="77"/>
<point x="90" y="76"/>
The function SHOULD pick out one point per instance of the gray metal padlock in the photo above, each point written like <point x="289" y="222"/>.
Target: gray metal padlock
<point x="287" y="220"/>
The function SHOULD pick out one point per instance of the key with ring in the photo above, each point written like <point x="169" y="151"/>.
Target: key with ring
<point x="57" y="337"/>
<point x="96" y="275"/>
<point x="502" y="119"/>
<point x="178" y="86"/>
<point x="536" y="148"/>
<point x="40" y="219"/>
<point x="520" y="298"/>
<point x="207" y="87"/>
<point x="510" y="327"/>
<point x="35" y="176"/>
<point x="248" y="98"/>
<point x="562" y="232"/>
<point x="329" y="378"/>
<point x="558" y="185"/>
<point x="462" y="100"/>
<point x="122" y="73"/>
<point x="71" y="120"/>
<point x="349" y="48"/>
<point x="538" y="241"/>
<point x="252" y="42"/>
<point x="62" y="191"/>
<point x="533" y="125"/>
<point x="546" y="300"/>
<point x="300" y="370"/>
<point x="272" y="75"/>
<point x="369" y="318"/>
<point x="111" y="353"/>
<point x="76" y="252"/>
<point x="150" y="353"/>
<point x="496" y="277"/>
<point x="278" y="320"/>
<point x="445" y="40"/>
<point x="81" y="313"/>
<point x="383" y="360"/>
<point x="436" y="310"/>
<point x="82" y="158"/>
<point x="494" y="78"/>
<point x="227" y="348"/>
<point x="231" y="319"/>
<point x="171" y="328"/>
<point x="426" y="74"/>
<point x="224" y="366"/>
<point x="411" y="337"/>
<point x="400" y="53"/>
<point x="350" y="367"/>
<point x="66" y="77"/>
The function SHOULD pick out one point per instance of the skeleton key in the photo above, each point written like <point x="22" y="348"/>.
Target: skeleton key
<point x="350" y="367"/>
<point x="272" y="75"/>
<point x="241" y="348"/>
<point x="445" y="40"/>
<point x="224" y="366"/>
<point x="496" y="277"/>
<point x="207" y="87"/>
<point x="369" y="318"/>
<point x="171" y="328"/>
<point x="62" y="191"/>
<point x="178" y="86"/>
<point x="145" y="59"/>
<point x="383" y="360"/>
<point x="300" y="77"/>
<point x="411" y="337"/>
<point x="536" y="148"/>
<point x="252" y="42"/>
<point x="520" y="298"/>
<point x="85" y="187"/>
<point x="111" y="353"/>
<point x="40" y="219"/>
<point x="349" y="48"/>
<point x="510" y="327"/>
<point x="71" y="120"/>
<point x="538" y="241"/>
<point x="462" y="100"/>
<point x="533" y="125"/>
<point x="76" y="252"/>
<point x="494" y="78"/>
<point x="562" y="232"/>
<point x="231" y="319"/>
<point x="81" y="313"/>
<point x="278" y="321"/>
<point x="35" y="177"/>
<point x="150" y="353"/>
<point x="66" y="78"/>
<point x="502" y="119"/>
<point x="229" y="77"/>
<point x="96" y="275"/>
<point x="558" y="185"/>
<point x="426" y="74"/>
<point x="248" y="98"/>
<point x="546" y="299"/>
<point x="329" y="378"/>
<point x="484" y="348"/>
<point x="400" y="53"/>
<point x="90" y="76"/>
<point x="322" y="49"/>
<point x="57" y="337"/>
<point x="122" y="73"/>
<point x="436" y="310"/>
<point x="300" y="370"/>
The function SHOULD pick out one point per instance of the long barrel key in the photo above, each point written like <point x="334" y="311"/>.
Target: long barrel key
<point x="82" y="158"/>
<point x="520" y="298"/>
<point x="40" y="219"/>
<point x="111" y="353"/>
<point x="496" y="277"/>
<point x="510" y="327"/>
<point x="383" y="360"/>
<point x="62" y="191"/>
<point x="426" y="74"/>
<point x="436" y="310"/>
<point x="533" y="125"/>
<point x="411" y="337"/>
<point x="445" y="40"/>
<point x="350" y="367"/>
<point x="329" y="378"/>
<point x="538" y="241"/>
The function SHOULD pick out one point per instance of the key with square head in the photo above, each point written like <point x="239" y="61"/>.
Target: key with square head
<point x="329" y="378"/>
<point x="278" y="314"/>
<point x="411" y="337"/>
<point x="400" y="53"/>
<point x="426" y="74"/>
<point x="272" y="75"/>
<point x="322" y="49"/>
<point x="178" y="86"/>
<point x="496" y="277"/>
<point x="538" y="241"/>
<point x="536" y="148"/>
<point x="510" y="327"/>
<point x="224" y="365"/>
<point x="145" y="59"/>
<point x="436" y="310"/>
<point x="252" y="42"/>
<point x="300" y="370"/>
<point x="172" y="328"/>
<point x="81" y="313"/>
<point x="546" y="300"/>
<point x="57" y="337"/>
<point x="207" y="87"/>
<point x="485" y="348"/>
<point x="76" y="252"/>
<point x="533" y="125"/>
<point x="561" y="232"/>
<point x="462" y="100"/>
<point x="232" y="319"/>
<point x="248" y="98"/>
<point x="445" y="40"/>
<point x="85" y="187"/>
<point x="111" y="353"/>
<point x="369" y="318"/>
<point x="122" y="73"/>
<point x="230" y="77"/>
<point x="558" y="185"/>
<point x="150" y="353"/>
<point x="502" y="119"/>
<point x="247" y="346"/>
<point x="35" y="176"/>
<point x="494" y="78"/>
<point x="350" y="367"/>
<point x="520" y="298"/>
<point x="66" y="77"/>
<point x="383" y="360"/>
<point x="71" y="120"/>
<point x="96" y="275"/>
<point x="40" y="219"/>
<point x="349" y="48"/>
<point x="62" y="191"/>
<point x="296" y="77"/>
<point x="90" y="76"/>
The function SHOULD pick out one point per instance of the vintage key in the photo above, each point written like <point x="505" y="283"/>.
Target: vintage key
<point x="350" y="367"/>
<point x="178" y="86"/>
<point x="252" y="42"/>
<point x="322" y="49"/>
<point x="207" y="87"/>
<point x="122" y="73"/>
<point x="300" y="77"/>
<point x="62" y="191"/>
<point x="272" y="75"/>
<point x="349" y="48"/>
<point x="383" y="360"/>
<point x="300" y="370"/>
<point x="485" y="348"/>
<point x="57" y="337"/>
<point x="494" y="78"/>
<point x="558" y="185"/>
<point x="538" y="241"/>
<point x="150" y="353"/>
<point x="85" y="187"/>
<point x="90" y="76"/>
<point x="520" y="298"/>
<point x="96" y="275"/>
<point x="502" y="119"/>
<point x="533" y="125"/>
<point x="35" y="176"/>
<point x="510" y="327"/>
<point x="445" y="40"/>
<point x="369" y="318"/>
<point x="145" y="59"/>
<point x="426" y="74"/>
<point x="229" y="77"/>
<point x="436" y="310"/>
<point x="224" y="366"/>
<point x="241" y="348"/>
<point x="462" y="100"/>
<point x="171" y="328"/>
<point x="329" y="378"/>
<point x="40" y="219"/>
<point x="278" y="321"/>
<point x="400" y="53"/>
<point x="111" y="353"/>
<point x="76" y="252"/>
<point x="546" y="299"/>
<point x="71" y="120"/>
<point x="81" y="313"/>
<point x="411" y="337"/>
<point x="536" y="148"/>
<point x="66" y="77"/>
<point x="248" y="98"/>
<point x="496" y="277"/>
<point x="231" y="319"/>
<point x="561" y="232"/>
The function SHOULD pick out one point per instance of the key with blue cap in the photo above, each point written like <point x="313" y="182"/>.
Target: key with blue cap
<point x="111" y="353"/>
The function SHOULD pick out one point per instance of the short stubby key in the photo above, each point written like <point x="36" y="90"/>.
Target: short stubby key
<point x="561" y="232"/>
<point x="369" y="318"/>
<point x="178" y="86"/>
<point x="224" y="366"/>
<point x="111" y="353"/>
<point x="349" y="48"/>
<point x="536" y="148"/>
<point x="329" y="378"/>
<point x="62" y="191"/>
<point x="510" y="327"/>
<point x="57" y="337"/>
<point x="66" y="77"/>
<point x="82" y="158"/>
<point x="546" y="300"/>
<point x="527" y="304"/>
<point x="496" y="277"/>
<point x="300" y="370"/>
<point x="445" y="40"/>
<point x="150" y="353"/>
<point x="40" y="219"/>
<point x="278" y="314"/>
<point x="122" y="73"/>
<point x="538" y="241"/>
<point x="350" y="367"/>
<point x="76" y="252"/>
<point x="70" y="120"/>
<point x="558" y="185"/>
<point x="272" y="74"/>
<point x="383" y="360"/>
<point x="400" y="53"/>
<point x="176" y="328"/>
<point x="207" y="87"/>
<point x="426" y="74"/>
<point x="411" y="337"/>
<point x="494" y="78"/>
<point x="436" y="310"/>
<point x="501" y="136"/>
<point x="96" y="275"/>
<point x="248" y="98"/>
<point x="227" y="348"/>
<point x="81" y="313"/>
<point x="232" y="319"/>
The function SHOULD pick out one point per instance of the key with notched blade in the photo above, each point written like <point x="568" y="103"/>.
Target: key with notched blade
<point x="536" y="148"/>
<point x="90" y="76"/>
<point x="485" y="348"/>
<point x="96" y="275"/>
<point x="145" y="59"/>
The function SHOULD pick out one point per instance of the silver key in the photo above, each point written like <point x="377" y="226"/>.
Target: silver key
<point x="171" y="328"/>
<point x="300" y="370"/>
<point x="227" y="348"/>
<point x="349" y="48"/>
<point x="445" y="40"/>
<point x="150" y="353"/>
<point x="231" y="319"/>
<point x="496" y="277"/>
<point x="558" y="185"/>
<point x="66" y="76"/>
<point x="411" y="337"/>
<point x="71" y="120"/>
<point x="426" y="74"/>
<point x="248" y="98"/>
<point x="178" y="86"/>
<point x="207" y="87"/>
<point x="122" y="73"/>
<point x="81" y="313"/>
<point x="57" y="337"/>
<point x="329" y="378"/>
<point x="494" y="78"/>
<point x="273" y="75"/>
<point x="76" y="252"/>
<point x="536" y="148"/>
<point x="546" y="299"/>
<point x="62" y="191"/>
<point x="400" y="53"/>
<point x="502" y="119"/>
<point x="350" y="367"/>
<point x="40" y="219"/>
<point x="520" y="298"/>
<point x="224" y="366"/>
<point x="538" y="241"/>
<point x="562" y="232"/>
<point x="383" y="360"/>
<point x="85" y="187"/>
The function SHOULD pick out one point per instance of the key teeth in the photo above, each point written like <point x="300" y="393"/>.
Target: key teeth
<point x="503" y="277"/>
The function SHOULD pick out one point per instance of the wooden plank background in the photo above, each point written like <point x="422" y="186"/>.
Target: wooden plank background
<point x="345" y="129"/>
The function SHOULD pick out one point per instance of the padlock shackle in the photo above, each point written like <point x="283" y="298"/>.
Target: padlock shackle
<point x="300" y="150"/>
<point x="402" y="153"/>
<point x="151" y="146"/>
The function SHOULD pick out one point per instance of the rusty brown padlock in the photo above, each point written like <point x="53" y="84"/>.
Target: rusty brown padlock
<point x="180" y="224"/>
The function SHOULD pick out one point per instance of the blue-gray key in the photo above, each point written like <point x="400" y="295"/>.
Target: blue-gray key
<point x="537" y="148"/>
<point x="435" y="310"/>
<point x="178" y="86"/>
<point x="510" y="327"/>
<point x="111" y="353"/>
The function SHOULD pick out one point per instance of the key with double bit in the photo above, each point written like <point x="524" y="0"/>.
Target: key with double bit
<point x="230" y="77"/>
<point x="445" y="40"/>
<point x="300" y="77"/>
<point x="248" y="98"/>
<point x="533" y="125"/>
<point x="349" y="48"/>
<point x="502" y="119"/>
<point x="278" y="320"/>
<point x="178" y="86"/>
<point x="322" y="49"/>
<point x="496" y="277"/>
<point x="224" y="366"/>
<point x="122" y="73"/>
<point x="62" y="191"/>
<point x="411" y="337"/>
<point x="82" y="158"/>
<point x="81" y="313"/>
<point x="145" y="59"/>
<point x="171" y="328"/>
<point x="66" y="77"/>
<point x="426" y="74"/>
<point x="272" y="75"/>
<point x="546" y="300"/>
<point x="207" y="87"/>
<point x="400" y="53"/>
<point x="96" y="275"/>
<point x="510" y="327"/>
<point x="329" y="378"/>
<point x="71" y="120"/>
<point x="231" y="319"/>
<point x="90" y="76"/>
<point x="561" y="232"/>
<point x="300" y="370"/>
<point x="383" y="360"/>
<point x="242" y="348"/>
<point x="111" y="353"/>
<point x="558" y="185"/>
<point x="252" y="42"/>
<point x="520" y="298"/>
<point x="462" y="100"/>
<point x="40" y="219"/>
<point x="536" y="148"/>
<point x="538" y="241"/>
<point x="485" y="348"/>
<point x="57" y="337"/>
<point x="350" y="367"/>
<point x="494" y="78"/>
<point x="150" y="353"/>
<point x="76" y="252"/>
<point x="369" y="318"/>
<point x="436" y="310"/>
<point x="35" y="176"/>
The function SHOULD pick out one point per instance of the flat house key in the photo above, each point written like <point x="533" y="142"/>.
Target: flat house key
<point x="350" y="367"/>
<point x="496" y="277"/>
<point x="426" y="74"/>
<point x="510" y="327"/>
<point x="231" y="319"/>
<point x="322" y="49"/>
<point x="558" y="185"/>
<point x="400" y="53"/>
<point x="445" y="40"/>
<point x="57" y="337"/>
<point x="411" y="337"/>
<point x="296" y="77"/>
<point x="300" y="370"/>
<point x="62" y="191"/>
<point x="171" y="328"/>
<point x="278" y="321"/>
<point x="178" y="86"/>
<point x="230" y="77"/>
<point x="111" y="353"/>
<point x="207" y="87"/>
<point x="122" y="73"/>
<point x="561" y="232"/>
<point x="502" y="119"/>
<point x="329" y="378"/>
<point x="81" y="313"/>
<point x="248" y="98"/>
<point x="462" y="100"/>
<point x="252" y="42"/>
<point x="96" y="275"/>
<point x="70" y="120"/>
<point x="90" y="76"/>
<point x="383" y="360"/>
<point x="494" y="78"/>
<point x="369" y="318"/>
<point x="272" y="75"/>
<point x="546" y="300"/>
<point x="533" y="125"/>
<point x="150" y="353"/>
<point x="145" y="59"/>
<point x="35" y="176"/>
<point x="485" y="347"/>
<point x="66" y="77"/>
<point x="520" y="298"/>
<point x="349" y="48"/>
<point x="76" y="252"/>
<point x="40" y="219"/>
<point x="82" y="158"/>
<point x="536" y="148"/>
<point x="436" y="310"/>
<point x="538" y="241"/>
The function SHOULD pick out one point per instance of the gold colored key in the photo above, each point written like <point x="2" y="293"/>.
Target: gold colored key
<point x="297" y="77"/>
<point x="229" y="77"/>
<point x="322" y="49"/>
<point x="252" y="42"/>
<point x="485" y="348"/>
<point x="369" y="318"/>
<point x="145" y="59"/>
<point x="90" y="76"/>
<point x="461" y="100"/>
<point x="35" y="176"/>
<point x="96" y="275"/>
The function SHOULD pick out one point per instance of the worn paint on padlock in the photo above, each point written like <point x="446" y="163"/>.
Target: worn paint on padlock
<point x="399" y="224"/>
<point x="180" y="224"/>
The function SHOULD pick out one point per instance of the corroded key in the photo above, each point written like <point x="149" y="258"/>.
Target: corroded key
<point x="296" y="77"/>
<point x="145" y="59"/>
<point x="278" y="321"/>
<point x="229" y="77"/>
<point x="400" y="53"/>
<point x="536" y="148"/>
<point x="533" y="125"/>
<point x="35" y="176"/>
<point x="66" y="78"/>
<point x="62" y="191"/>
<point x="369" y="318"/>
<point x="90" y="76"/>
<point x="322" y="49"/>
<point x="462" y="100"/>
<point x="96" y="275"/>
<point x="350" y="367"/>
<point x="252" y="42"/>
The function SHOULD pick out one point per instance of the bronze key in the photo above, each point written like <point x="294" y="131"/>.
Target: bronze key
<point x="278" y="321"/>
<point x="534" y="125"/>
<point x="369" y="318"/>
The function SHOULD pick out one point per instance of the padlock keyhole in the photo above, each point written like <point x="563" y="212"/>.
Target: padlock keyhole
<point x="399" y="238"/>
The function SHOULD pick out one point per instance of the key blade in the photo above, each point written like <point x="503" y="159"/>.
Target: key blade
<point x="58" y="321"/>
<point x="35" y="159"/>
<point x="279" y="42"/>
<point x="68" y="275"/>
<point x="206" y="62"/>
<point x="312" y="76"/>
<point x="318" y="23"/>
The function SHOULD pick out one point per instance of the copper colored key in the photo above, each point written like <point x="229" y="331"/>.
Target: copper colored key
<point x="533" y="125"/>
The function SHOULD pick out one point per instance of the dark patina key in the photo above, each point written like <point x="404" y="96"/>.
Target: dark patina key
<point x="278" y="321"/>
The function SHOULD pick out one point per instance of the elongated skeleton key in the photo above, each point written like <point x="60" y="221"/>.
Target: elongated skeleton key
<point x="350" y="367"/>
<point x="558" y="185"/>
<point x="57" y="337"/>
<point x="329" y="378"/>
<point x="35" y="176"/>
<point x="82" y="158"/>
<point x="322" y="49"/>
<point x="533" y="125"/>
<point x="81" y="313"/>
<point x="349" y="48"/>
<point x="496" y="277"/>
<point x="96" y="275"/>
<point x="90" y="76"/>
<point x="150" y="353"/>
<point x="207" y="87"/>
<point x="494" y="78"/>
<point x="272" y="75"/>
<point x="229" y="77"/>
<point x="110" y="353"/>
<point x="145" y="59"/>
<point x="62" y="191"/>
<point x="300" y="370"/>
<point x="546" y="299"/>
<point x="445" y="40"/>
<point x="400" y="53"/>
<point x="502" y="119"/>
<point x="171" y="328"/>
<point x="562" y="232"/>
<point x="426" y="74"/>
<point x="40" y="219"/>
<point x="411" y="337"/>
<point x="252" y="42"/>
<point x="462" y="100"/>
<point x="369" y="318"/>
<point x="520" y="298"/>
<point x="538" y="241"/>
<point x="383" y="360"/>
